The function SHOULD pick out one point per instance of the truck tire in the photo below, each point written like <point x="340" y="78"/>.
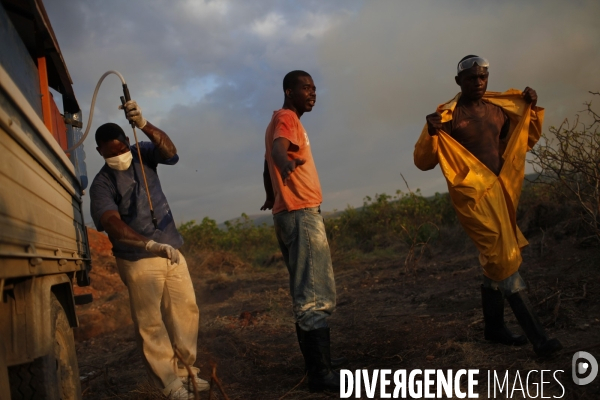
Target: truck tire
<point x="54" y="376"/>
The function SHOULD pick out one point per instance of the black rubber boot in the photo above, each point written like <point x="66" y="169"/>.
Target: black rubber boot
<point x="336" y="363"/>
<point x="492" y="302"/>
<point x="318" y="360"/>
<point x="534" y="330"/>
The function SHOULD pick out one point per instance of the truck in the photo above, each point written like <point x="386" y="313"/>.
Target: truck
<point x="44" y="249"/>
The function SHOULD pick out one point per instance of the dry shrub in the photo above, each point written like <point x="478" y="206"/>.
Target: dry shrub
<point x="275" y="260"/>
<point x="454" y="238"/>
<point x="567" y="159"/>
<point x="406" y="223"/>
<point x="145" y="391"/>
<point x="250" y="243"/>
<point x="217" y="261"/>
<point x="542" y="211"/>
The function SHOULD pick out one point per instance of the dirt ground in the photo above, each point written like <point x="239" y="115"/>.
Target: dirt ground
<point x="388" y="316"/>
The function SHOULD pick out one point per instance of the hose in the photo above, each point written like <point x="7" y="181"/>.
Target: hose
<point x="89" y="124"/>
<point x="124" y="99"/>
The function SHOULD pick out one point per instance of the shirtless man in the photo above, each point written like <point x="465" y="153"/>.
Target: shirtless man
<point x="485" y="194"/>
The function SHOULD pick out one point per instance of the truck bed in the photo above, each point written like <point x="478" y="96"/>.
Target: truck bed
<point x="41" y="220"/>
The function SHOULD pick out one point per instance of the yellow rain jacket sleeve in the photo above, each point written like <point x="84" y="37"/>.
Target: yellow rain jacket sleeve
<point x="485" y="203"/>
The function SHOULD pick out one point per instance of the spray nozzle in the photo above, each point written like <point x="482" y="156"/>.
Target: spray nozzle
<point x="125" y="99"/>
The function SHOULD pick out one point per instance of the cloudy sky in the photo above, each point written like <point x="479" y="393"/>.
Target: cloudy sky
<point x="209" y="73"/>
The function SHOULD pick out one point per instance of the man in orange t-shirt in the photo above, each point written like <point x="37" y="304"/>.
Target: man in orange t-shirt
<point x="294" y="194"/>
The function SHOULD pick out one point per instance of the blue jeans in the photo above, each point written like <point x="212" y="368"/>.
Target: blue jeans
<point x="303" y="242"/>
<point x="508" y="286"/>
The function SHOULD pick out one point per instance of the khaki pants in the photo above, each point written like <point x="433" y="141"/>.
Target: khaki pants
<point x="164" y="312"/>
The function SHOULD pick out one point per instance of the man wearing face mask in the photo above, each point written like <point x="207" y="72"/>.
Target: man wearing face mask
<point x="148" y="259"/>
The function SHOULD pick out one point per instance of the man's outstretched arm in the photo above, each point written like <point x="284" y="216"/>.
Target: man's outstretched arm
<point x="268" y="189"/>
<point x="280" y="157"/>
<point x="536" y="115"/>
<point x="425" y="154"/>
<point x="159" y="138"/>
<point x="121" y="232"/>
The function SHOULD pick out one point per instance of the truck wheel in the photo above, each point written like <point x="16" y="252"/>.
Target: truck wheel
<point x="54" y="376"/>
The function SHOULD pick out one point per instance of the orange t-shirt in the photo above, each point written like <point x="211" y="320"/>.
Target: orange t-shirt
<point x="303" y="188"/>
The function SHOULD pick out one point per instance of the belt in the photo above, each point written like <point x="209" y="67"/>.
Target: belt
<point x="316" y="209"/>
<point x="313" y="209"/>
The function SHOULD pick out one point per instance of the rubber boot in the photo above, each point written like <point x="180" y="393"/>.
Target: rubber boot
<point x="318" y="361"/>
<point x="492" y="302"/>
<point x="534" y="330"/>
<point x="336" y="363"/>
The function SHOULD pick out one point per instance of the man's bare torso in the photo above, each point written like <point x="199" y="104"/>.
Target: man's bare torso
<point x="480" y="132"/>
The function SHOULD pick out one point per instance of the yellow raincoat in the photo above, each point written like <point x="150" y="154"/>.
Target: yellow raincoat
<point x="485" y="203"/>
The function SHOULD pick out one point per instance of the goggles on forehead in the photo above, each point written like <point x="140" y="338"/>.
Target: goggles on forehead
<point x="469" y="62"/>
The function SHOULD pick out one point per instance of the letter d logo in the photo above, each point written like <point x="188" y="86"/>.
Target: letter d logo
<point x="580" y="368"/>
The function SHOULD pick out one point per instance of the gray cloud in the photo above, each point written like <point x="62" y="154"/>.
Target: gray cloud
<point x="209" y="73"/>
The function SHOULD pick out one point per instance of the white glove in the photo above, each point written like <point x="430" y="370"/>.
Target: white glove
<point x="134" y="113"/>
<point x="163" y="250"/>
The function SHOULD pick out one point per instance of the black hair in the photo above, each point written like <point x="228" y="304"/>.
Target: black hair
<point x="110" y="131"/>
<point x="291" y="78"/>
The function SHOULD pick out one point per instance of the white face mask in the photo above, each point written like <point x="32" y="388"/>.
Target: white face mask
<point x="120" y="162"/>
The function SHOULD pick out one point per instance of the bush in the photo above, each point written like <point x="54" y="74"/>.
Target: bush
<point x="390" y="223"/>
<point x="568" y="162"/>
<point x="251" y="243"/>
<point x="385" y="226"/>
<point x="405" y="220"/>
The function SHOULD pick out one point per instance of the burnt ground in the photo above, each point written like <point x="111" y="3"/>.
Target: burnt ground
<point x="388" y="316"/>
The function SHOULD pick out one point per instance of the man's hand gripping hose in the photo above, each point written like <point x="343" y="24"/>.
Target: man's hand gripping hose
<point x="135" y="118"/>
